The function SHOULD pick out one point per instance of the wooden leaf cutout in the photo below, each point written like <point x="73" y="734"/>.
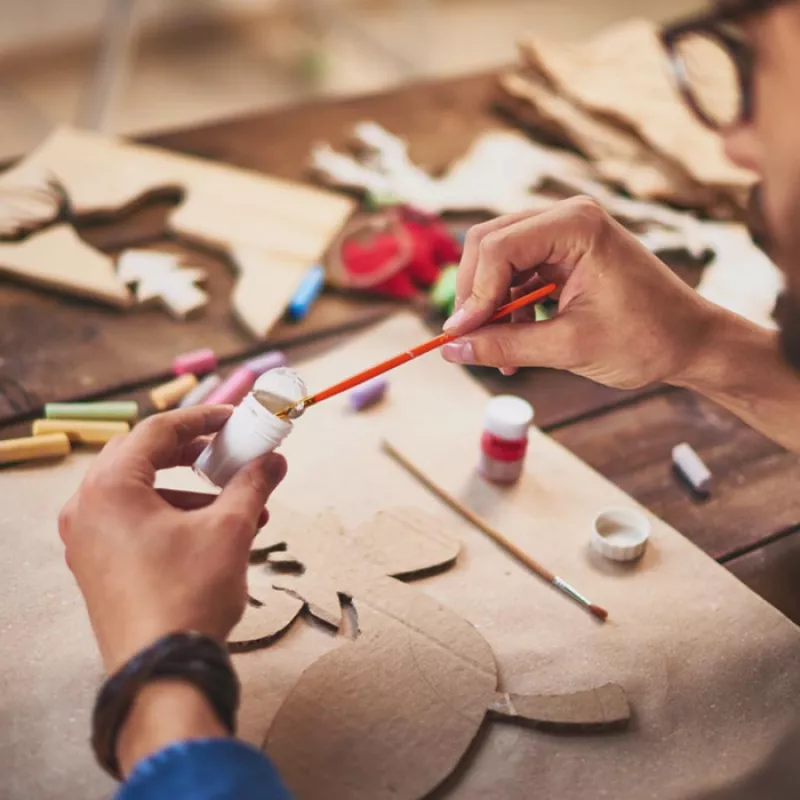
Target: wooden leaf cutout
<point x="59" y="259"/>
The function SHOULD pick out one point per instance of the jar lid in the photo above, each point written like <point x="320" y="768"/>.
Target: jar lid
<point x="621" y="534"/>
<point x="508" y="417"/>
<point x="278" y="388"/>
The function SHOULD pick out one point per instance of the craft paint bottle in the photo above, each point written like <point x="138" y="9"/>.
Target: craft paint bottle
<point x="505" y="438"/>
<point x="252" y="430"/>
<point x="240" y="381"/>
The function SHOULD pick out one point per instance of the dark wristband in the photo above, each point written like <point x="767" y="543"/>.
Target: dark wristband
<point x="189" y="657"/>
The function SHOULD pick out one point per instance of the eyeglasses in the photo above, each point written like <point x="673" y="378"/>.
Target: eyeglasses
<point x="712" y="62"/>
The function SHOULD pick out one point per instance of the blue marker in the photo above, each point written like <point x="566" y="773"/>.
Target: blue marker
<point x="307" y="292"/>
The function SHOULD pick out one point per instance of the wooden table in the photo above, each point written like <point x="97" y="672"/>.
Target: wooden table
<point x="750" y="523"/>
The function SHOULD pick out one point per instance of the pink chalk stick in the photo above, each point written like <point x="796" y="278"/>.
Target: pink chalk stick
<point x="198" y="362"/>
<point x="263" y="363"/>
<point x="233" y="388"/>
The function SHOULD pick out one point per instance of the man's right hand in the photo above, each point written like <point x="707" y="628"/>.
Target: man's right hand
<point x="625" y="320"/>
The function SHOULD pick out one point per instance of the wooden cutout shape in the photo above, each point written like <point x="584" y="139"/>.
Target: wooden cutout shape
<point x="58" y="258"/>
<point x="619" y="155"/>
<point x="160" y="277"/>
<point x="391" y="713"/>
<point x="500" y="174"/>
<point x="228" y="209"/>
<point x="29" y="199"/>
<point x="621" y="75"/>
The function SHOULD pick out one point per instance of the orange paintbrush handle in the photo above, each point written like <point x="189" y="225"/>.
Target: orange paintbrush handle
<point x="410" y="355"/>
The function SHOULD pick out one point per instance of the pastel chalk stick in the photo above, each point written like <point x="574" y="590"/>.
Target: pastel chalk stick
<point x="368" y="394"/>
<point x="171" y="393"/>
<point x="201" y="392"/>
<point x="307" y="292"/>
<point x="30" y="448"/>
<point x="123" y="411"/>
<point x="198" y="362"/>
<point x="81" y="431"/>
<point x="263" y="363"/>
<point x="233" y="389"/>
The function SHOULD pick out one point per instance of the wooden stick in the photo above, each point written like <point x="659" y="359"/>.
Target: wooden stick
<point x="493" y="533"/>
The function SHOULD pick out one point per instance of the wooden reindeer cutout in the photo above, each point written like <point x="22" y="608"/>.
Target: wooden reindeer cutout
<point x="390" y="713"/>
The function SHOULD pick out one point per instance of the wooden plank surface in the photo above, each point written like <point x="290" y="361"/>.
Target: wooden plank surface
<point x="754" y="495"/>
<point x="72" y="349"/>
<point x="773" y="571"/>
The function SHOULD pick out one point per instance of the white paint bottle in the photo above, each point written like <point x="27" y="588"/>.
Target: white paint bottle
<point x="252" y="430"/>
<point x="505" y="438"/>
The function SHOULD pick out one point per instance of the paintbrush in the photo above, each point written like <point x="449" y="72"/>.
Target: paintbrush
<point x="298" y="408"/>
<point x="495" y="535"/>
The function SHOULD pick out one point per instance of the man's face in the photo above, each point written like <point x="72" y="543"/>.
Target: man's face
<point x="770" y="145"/>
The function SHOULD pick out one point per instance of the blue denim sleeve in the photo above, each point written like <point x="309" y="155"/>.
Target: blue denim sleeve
<point x="204" y="769"/>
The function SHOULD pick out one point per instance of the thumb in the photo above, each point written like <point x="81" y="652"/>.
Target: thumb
<point x="536" y="344"/>
<point x="242" y="501"/>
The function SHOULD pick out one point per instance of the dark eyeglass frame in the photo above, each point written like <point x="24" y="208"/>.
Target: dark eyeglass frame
<point x="712" y="25"/>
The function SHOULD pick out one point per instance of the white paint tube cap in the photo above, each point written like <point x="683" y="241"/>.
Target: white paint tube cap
<point x="508" y="417"/>
<point x="620" y="534"/>
<point x="252" y="430"/>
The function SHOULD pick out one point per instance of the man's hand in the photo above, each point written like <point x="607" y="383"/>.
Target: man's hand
<point x="624" y="318"/>
<point x="149" y="562"/>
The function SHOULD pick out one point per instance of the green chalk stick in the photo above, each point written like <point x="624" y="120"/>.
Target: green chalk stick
<point x="443" y="292"/>
<point x="126" y="410"/>
<point x="542" y="314"/>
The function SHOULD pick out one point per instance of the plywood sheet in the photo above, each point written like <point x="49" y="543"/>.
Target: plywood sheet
<point x="707" y="666"/>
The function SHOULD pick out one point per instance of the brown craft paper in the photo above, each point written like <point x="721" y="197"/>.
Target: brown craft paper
<point x="622" y="74"/>
<point x="708" y="667"/>
<point x="442" y="673"/>
<point x="286" y="225"/>
<point x="59" y="259"/>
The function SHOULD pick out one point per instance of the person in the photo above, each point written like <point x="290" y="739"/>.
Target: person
<point x="164" y="720"/>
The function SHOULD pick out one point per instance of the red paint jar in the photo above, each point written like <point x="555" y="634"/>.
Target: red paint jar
<point x="504" y="441"/>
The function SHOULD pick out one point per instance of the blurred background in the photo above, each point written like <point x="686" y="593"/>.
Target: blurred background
<point x="130" y="66"/>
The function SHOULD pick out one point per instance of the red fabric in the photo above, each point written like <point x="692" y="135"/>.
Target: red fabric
<point x="432" y="248"/>
<point x="503" y="449"/>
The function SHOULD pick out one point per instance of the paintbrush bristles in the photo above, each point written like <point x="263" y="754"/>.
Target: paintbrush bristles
<point x="600" y="613"/>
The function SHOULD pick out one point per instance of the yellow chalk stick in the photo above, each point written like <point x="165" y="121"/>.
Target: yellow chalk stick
<point x="33" y="447"/>
<point x="170" y="394"/>
<point x="81" y="431"/>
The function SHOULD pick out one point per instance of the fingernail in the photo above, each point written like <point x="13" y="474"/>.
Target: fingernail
<point x="507" y="371"/>
<point x="455" y="320"/>
<point x="459" y="352"/>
